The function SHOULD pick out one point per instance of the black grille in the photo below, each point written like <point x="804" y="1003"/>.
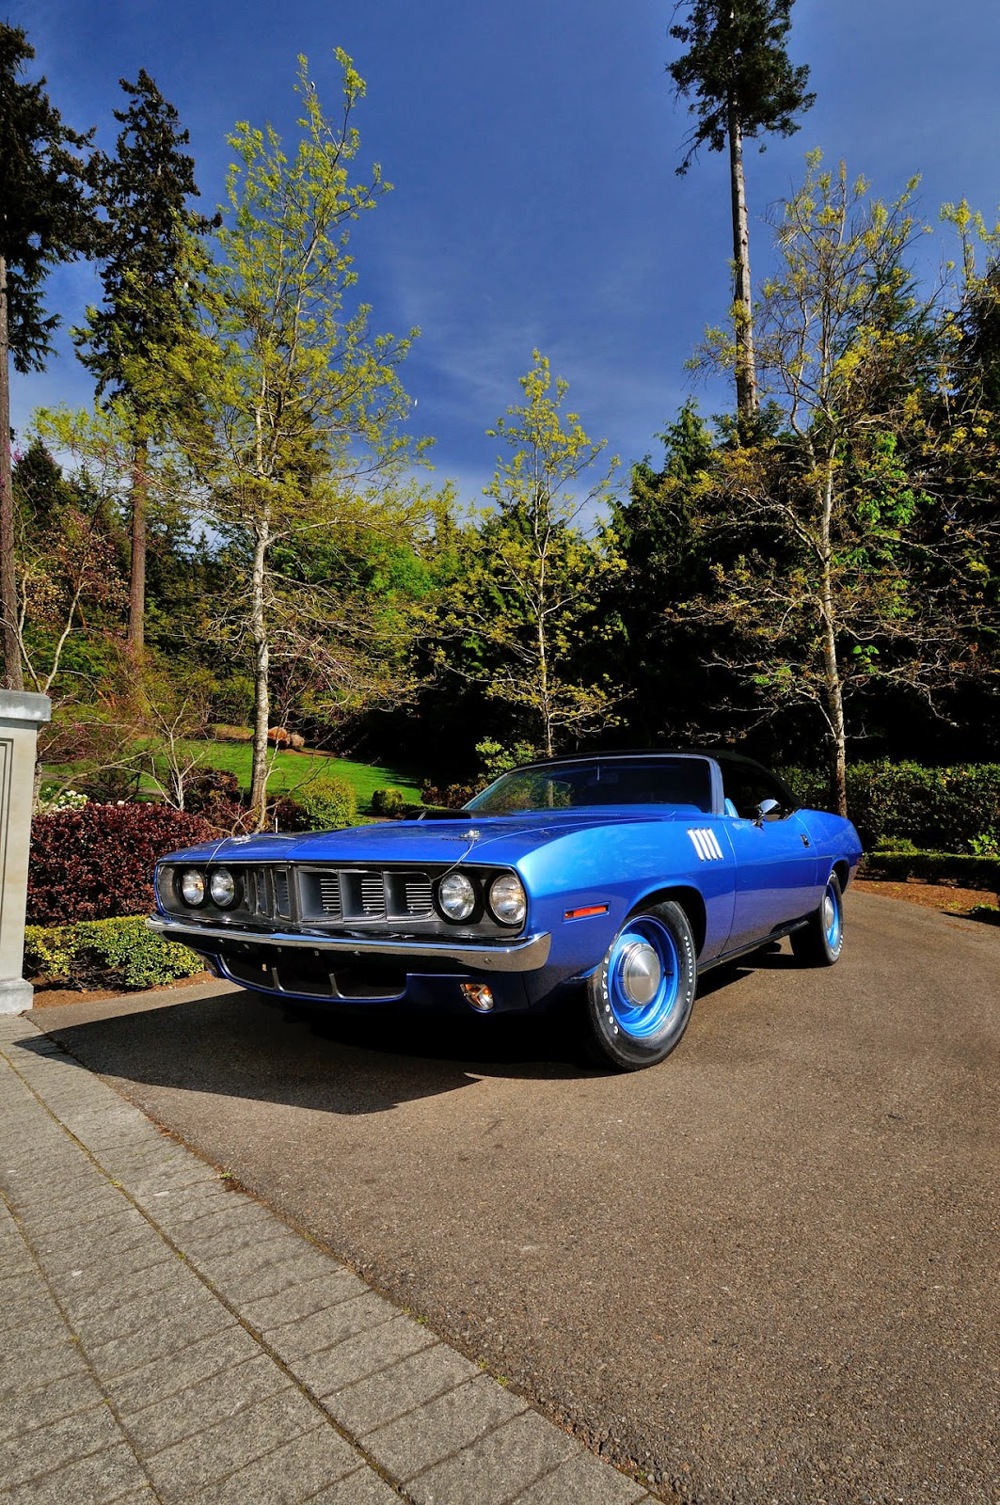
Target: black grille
<point x="291" y="895"/>
<point x="373" y="896"/>
<point x="347" y="895"/>
<point x="265" y="892"/>
<point x="331" y="906"/>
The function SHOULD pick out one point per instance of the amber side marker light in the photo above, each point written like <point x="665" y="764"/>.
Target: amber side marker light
<point x="588" y="909"/>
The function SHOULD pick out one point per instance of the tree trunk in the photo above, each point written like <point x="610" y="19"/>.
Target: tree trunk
<point x="834" y="692"/>
<point x="13" y="677"/>
<point x="261" y="674"/>
<point x="137" y="573"/>
<point x="545" y="706"/>
<point x="835" y="713"/>
<point x="747" y="402"/>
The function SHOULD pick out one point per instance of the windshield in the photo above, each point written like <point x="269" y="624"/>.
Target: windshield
<point x="623" y="781"/>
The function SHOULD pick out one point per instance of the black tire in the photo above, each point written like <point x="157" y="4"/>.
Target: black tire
<point x="820" y="942"/>
<point x="640" y="998"/>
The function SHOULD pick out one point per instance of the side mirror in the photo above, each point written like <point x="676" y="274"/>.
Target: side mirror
<point x="765" y="809"/>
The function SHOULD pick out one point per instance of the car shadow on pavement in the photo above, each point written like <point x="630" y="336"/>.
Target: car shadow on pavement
<point x="339" y="1060"/>
<point x="344" y="1061"/>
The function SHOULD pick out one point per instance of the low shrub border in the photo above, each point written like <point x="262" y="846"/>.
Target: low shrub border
<point x="116" y="954"/>
<point x="934" y="867"/>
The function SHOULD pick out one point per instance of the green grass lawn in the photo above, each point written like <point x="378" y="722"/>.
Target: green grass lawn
<point x="291" y="772"/>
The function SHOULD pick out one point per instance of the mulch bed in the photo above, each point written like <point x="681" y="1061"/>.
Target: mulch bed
<point x="49" y="995"/>
<point x="941" y="896"/>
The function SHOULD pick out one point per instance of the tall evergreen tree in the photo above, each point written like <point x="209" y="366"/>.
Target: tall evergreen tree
<point x="44" y="219"/>
<point x="741" y="84"/>
<point x="662" y="664"/>
<point x="144" y="191"/>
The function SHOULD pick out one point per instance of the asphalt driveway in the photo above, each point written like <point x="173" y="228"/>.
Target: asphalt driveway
<point x="764" y="1271"/>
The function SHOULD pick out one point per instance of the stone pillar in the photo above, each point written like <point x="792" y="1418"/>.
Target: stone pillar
<point x="20" y="717"/>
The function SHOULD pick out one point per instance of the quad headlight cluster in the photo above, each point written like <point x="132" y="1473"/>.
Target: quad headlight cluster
<point x="196" y="887"/>
<point x="461" y="896"/>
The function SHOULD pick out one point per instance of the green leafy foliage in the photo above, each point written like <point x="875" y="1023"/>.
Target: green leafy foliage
<point x="110" y="954"/>
<point x="829" y="543"/>
<point x="934" y="809"/>
<point x="328" y="805"/>
<point x="956" y="868"/>
<point x="448" y="796"/>
<point x="389" y="803"/>
<point x="297" y="410"/>
<point x="495" y="759"/>
<point x="523" y="614"/>
<point x="737" y="74"/>
<point x="827" y="573"/>
<point x="69" y="579"/>
<point x="52" y="798"/>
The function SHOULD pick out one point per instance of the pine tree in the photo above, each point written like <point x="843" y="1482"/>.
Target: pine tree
<point x="741" y="84"/>
<point x="144" y="191"/>
<point x="44" y="219"/>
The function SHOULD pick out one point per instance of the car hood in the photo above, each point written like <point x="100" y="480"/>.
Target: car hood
<point x="491" y="840"/>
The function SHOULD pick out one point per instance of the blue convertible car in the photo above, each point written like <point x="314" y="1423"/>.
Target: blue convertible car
<point x="617" y="878"/>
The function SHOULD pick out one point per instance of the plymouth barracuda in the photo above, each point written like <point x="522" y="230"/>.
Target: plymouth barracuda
<point x="613" y="879"/>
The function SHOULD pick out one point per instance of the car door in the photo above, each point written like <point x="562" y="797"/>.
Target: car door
<point x="777" y="871"/>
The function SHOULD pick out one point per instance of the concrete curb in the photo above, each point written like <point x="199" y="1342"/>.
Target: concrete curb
<point x="166" y="1338"/>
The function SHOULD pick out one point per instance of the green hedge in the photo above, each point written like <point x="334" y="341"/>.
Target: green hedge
<point x="118" y="953"/>
<point x="935" y="867"/>
<point x="935" y="808"/>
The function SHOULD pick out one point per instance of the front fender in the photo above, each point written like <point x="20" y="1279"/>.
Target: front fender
<point x="617" y="870"/>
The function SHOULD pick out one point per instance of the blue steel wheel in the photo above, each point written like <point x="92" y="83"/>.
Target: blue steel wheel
<point x="640" y="998"/>
<point x="820" y="942"/>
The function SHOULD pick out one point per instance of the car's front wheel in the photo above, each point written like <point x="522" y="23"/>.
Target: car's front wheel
<point x="820" y="942"/>
<point x="640" y="998"/>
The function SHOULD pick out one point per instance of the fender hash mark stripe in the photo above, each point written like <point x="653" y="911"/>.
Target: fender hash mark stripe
<point x="706" y="845"/>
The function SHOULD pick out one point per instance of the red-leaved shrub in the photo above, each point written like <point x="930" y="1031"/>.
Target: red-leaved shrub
<point x="97" y="862"/>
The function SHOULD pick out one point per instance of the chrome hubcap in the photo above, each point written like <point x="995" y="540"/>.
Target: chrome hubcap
<point x="829" y="913"/>
<point x="641" y="973"/>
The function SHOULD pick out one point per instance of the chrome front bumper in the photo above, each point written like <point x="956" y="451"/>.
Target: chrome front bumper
<point x="525" y="955"/>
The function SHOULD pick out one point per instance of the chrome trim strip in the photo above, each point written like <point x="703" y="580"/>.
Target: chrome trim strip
<point x="520" y="956"/>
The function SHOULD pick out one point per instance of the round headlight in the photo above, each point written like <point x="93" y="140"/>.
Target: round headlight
<point x="193" y="886"/>
<point x="507" y="899"/>
<point x="456" y="896"/>
<point x="222" y="887"/>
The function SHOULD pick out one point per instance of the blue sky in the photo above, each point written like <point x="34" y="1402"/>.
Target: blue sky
<point x="533" y="149"/>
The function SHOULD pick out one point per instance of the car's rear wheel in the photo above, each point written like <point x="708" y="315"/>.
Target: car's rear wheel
<point x="640" y="998"/>
<point x="820" y="942"/>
